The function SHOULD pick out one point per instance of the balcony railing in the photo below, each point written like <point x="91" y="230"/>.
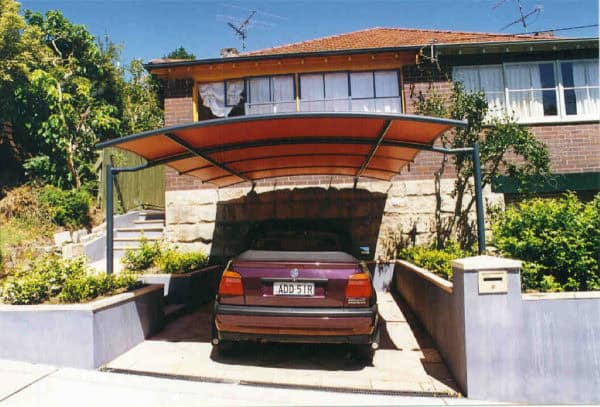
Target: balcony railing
<point x="378" y="105"/>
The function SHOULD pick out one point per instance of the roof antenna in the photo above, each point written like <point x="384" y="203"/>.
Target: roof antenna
<point x="242" y="29"/>
<point x="523" y="16"/>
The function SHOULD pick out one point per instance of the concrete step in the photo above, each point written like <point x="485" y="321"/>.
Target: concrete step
<point x="138" y="232"/>
<point x="131" y="242"/>
<point x="151" y="215"/>
<point x="150" y="222"/>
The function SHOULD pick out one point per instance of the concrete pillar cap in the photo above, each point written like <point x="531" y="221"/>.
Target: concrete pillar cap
<point x="477" y="263"/>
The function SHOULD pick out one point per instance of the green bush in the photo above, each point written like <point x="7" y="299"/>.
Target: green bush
<point x="434" y="260"/>
<point x="50" y="278"/>
<point x="67" y="208"/>
<point x="88" y="287"/>
<point x="173" y="262"/>
<point x="143" y="258"/>
<point x="559" y="239"/>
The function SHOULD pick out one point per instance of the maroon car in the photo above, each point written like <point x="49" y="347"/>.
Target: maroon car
<point x="277" y="292"/>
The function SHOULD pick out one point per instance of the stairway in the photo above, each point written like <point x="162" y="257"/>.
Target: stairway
<point x="150" y="225"/>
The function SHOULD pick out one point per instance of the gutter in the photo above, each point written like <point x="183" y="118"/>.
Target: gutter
<point x="151" y="66"/>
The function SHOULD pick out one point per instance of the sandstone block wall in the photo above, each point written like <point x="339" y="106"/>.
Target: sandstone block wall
<point x="381" y="215"/>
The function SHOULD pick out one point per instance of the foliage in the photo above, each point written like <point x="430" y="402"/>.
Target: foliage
<point x="67" y="208"/>
<point x="173" y="262"/>
<point x="63" y="91"/>
<point x="88" y="287"/>
<point x="137" y="260"/>
<point x="558" y="238"/>
<point x="141" y="104"/>
<point x="180" y="53"/>
<point x="435" y="260"/>
<point x="150" y="257"/>
<point x="51" y="278"/>
<point x="497" y="138"/>
<point x="25" y="225"/>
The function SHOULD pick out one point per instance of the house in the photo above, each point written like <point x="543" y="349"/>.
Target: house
<point x="549" y="83"/>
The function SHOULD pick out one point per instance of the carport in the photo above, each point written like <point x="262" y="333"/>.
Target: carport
<point x="245" y="149"/>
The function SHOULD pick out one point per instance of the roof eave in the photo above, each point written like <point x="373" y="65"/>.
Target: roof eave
<point x="243" y="58"/>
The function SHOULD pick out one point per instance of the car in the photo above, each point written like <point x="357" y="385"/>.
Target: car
<point x="297" y="284"/>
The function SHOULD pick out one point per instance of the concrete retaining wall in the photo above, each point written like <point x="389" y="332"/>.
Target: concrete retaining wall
<point x="508" y="346"/>
<point x="80" y="335"/>
<point x="197" y="287"/>
<point x="440" y="312"/>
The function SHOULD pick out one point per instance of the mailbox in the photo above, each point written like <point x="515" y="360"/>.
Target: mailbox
<point x="493" y="282"/>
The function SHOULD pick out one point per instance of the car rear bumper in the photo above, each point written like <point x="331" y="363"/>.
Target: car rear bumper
<point x="280" y="324"/>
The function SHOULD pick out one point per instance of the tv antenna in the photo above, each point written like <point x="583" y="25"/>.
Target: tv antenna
<point x="523" y="15"/>
<point x="241" y="30"/>
<point x="240" y="25"/>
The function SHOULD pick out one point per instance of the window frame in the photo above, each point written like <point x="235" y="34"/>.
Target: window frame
<point x="270" y="77"/>
<point x="561" y="116"/>
<point x="348" y="76"/>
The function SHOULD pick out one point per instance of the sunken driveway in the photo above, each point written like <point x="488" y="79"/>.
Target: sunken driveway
<point x="406" y="363"/>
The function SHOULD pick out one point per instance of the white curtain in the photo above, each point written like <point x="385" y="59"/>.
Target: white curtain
<point x="234" y="92"/>
<point x="386" y="87"/>
<point x="283" y="94"/>
<point x="361" y="86"/>
<point x="492" y="83"/>
<point x="336" y="92"/>
<point x="213" y="97"/>
<point x="259" y="96"/>
<point x="525" y="95"/>
<point x="311" y="93"/>
<point x="585" y="80"/>
<point x="469" y="76"/>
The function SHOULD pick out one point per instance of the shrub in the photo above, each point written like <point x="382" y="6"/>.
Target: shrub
<point x="172" y="261"/>
<point x="137" y="260"/>
<point x="50" y="278"/>
<point x="557" y="238"/>
<point x="88" y="287"/>
<point x="434" y="260"/>
<point x="67" y="208"/>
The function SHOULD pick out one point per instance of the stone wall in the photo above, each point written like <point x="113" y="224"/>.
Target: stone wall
<point x="379" y="214"/>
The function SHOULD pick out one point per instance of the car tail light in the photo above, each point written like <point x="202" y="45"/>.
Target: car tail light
<point x="231" y="283"/>
<point x="358" y="289"/>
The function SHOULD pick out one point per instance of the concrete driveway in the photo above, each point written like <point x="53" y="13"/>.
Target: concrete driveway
<point x="406" y="364"/>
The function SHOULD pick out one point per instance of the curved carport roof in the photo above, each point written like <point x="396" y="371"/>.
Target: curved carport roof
<point x="248" y="148"/>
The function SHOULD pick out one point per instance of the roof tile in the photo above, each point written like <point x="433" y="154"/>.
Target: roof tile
<point x="381" y="37"/>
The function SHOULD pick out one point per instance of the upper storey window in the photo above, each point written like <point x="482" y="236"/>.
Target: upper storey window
<point x="270" y="94"/>
<point x="374" y="91"/>
<point x="538" y="91"/>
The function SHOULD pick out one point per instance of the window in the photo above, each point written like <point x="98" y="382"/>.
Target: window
<point x="377" y="91"/>
<point x="540" y="91"/>
<point x="531" y="90"/>
<point x="270" y="94"/>
<point x="580" y="88"/>
<point x="488" y="79"/>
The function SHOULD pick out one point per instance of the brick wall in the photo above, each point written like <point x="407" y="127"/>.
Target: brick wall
<point x="179" y="109"/>
<point x="573" y="147"/>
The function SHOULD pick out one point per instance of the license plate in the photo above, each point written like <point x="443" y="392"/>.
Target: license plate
<point x="293" y="288"/>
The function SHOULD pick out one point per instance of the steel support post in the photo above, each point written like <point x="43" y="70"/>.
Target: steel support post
<point x="109" y="218"/>
<point x="479" y="200"/>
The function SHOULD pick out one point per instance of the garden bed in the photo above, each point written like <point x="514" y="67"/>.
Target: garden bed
<point x="192" y="289"/>
<point x="80" y="335"/>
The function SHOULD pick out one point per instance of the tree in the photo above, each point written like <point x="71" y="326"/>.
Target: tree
<point x="180" y="53"/>
<point x="20" y="48"/>
<point x="141" y="105"/>
<point x="505" y="147"/>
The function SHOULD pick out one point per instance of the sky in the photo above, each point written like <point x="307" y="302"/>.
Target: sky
<point x="149" y="29"/>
